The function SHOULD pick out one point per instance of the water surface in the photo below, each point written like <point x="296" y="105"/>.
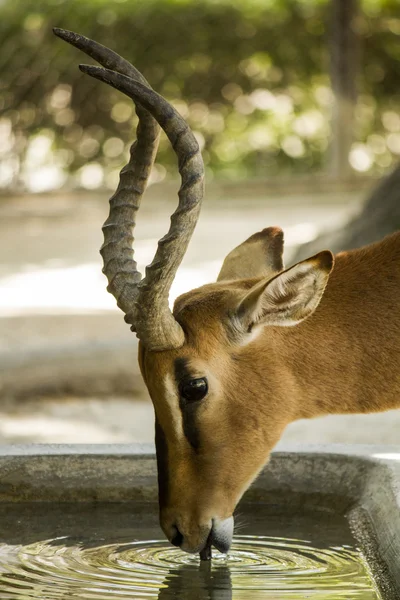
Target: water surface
<point x="112" y="551"/>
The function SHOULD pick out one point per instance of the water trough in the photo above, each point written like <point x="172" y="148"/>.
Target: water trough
<point x="60" y="504"/>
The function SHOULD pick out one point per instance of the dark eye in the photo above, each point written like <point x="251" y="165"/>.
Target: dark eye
<point x="193" y="389"/>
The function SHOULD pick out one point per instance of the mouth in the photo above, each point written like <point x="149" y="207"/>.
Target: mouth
<point x="220" y="537"/>
<point x="222" y="545"/>
<point x="206" y="553"/>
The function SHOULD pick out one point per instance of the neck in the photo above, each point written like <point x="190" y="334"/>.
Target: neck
<point x="346" y="357"/>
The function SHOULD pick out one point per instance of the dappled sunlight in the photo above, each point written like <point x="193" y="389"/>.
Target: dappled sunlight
<point x="79" y="420"/>
<point x="395" y="456"/>
<point x="188" y="278"/>
<point x="363" y="429"/>
<point x="361" y="157"/>
<point x="43" y="169"/>
<point x="37" y="427"/>
<point x="91" y="176"/>
<point x="301" y="233"/>
<point x="80" y="289"/>
<point x="58" y="287"/>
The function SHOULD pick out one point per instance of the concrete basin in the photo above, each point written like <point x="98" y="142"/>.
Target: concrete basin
<point x="361" y="483"/>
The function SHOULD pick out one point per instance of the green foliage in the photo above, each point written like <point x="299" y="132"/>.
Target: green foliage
<point x="251" y="77"/>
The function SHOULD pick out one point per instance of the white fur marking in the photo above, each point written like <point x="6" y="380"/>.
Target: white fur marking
<point x="172" y="398"/>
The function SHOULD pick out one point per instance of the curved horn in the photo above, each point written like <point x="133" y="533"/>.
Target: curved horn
<point x="106" y="57"/>
<point x="153" y="321"/>
<point x="119" y="264"/>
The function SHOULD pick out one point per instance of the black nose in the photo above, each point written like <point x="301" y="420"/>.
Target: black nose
<point x="177" y="540"/>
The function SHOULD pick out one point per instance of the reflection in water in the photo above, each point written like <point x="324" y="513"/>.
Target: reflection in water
<point x="257" y="568"/>
<point x="198" y="582"/>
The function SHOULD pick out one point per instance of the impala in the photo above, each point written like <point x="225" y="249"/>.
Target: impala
<point x="237" y="360"/>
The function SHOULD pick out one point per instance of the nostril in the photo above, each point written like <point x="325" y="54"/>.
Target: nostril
<point x="177" y="540"/>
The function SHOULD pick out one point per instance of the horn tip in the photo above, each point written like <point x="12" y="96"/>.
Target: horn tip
<point x="61" y="33"/>
<point x="89" y="69"/>
<point x="94" y="71"/>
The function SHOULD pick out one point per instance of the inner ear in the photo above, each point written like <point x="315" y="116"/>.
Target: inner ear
<point x="261" y="255"/>
<point x="288" y="298"/>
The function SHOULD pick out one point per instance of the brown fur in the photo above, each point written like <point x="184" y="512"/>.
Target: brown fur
<point x="344" y="358"/>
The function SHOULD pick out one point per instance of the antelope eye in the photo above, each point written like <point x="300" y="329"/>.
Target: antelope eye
<point x="193" y="389"/>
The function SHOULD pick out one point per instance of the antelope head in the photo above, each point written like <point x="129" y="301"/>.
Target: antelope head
<point x="213" y="366"/>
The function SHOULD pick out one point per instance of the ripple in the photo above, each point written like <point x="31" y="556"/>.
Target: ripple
<point x="256" y="567"/>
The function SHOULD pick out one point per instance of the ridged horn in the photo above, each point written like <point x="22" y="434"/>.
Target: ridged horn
<point x="145" y="302"/>
<point x="117" y="251"/>
<point x="153" y="321"/>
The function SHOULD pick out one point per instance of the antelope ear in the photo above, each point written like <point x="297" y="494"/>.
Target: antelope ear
<point x="259" y="256"/>
<point x="288" y="298"/>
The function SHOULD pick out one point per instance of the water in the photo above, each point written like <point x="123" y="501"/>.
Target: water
<point x="115" y="551"/>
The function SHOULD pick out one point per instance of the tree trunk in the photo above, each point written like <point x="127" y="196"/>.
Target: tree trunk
<point x="344" y="50"/>
<point x="379" y="217"/>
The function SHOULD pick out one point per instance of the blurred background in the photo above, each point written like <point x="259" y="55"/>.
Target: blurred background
<point x="296" y="107"/>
